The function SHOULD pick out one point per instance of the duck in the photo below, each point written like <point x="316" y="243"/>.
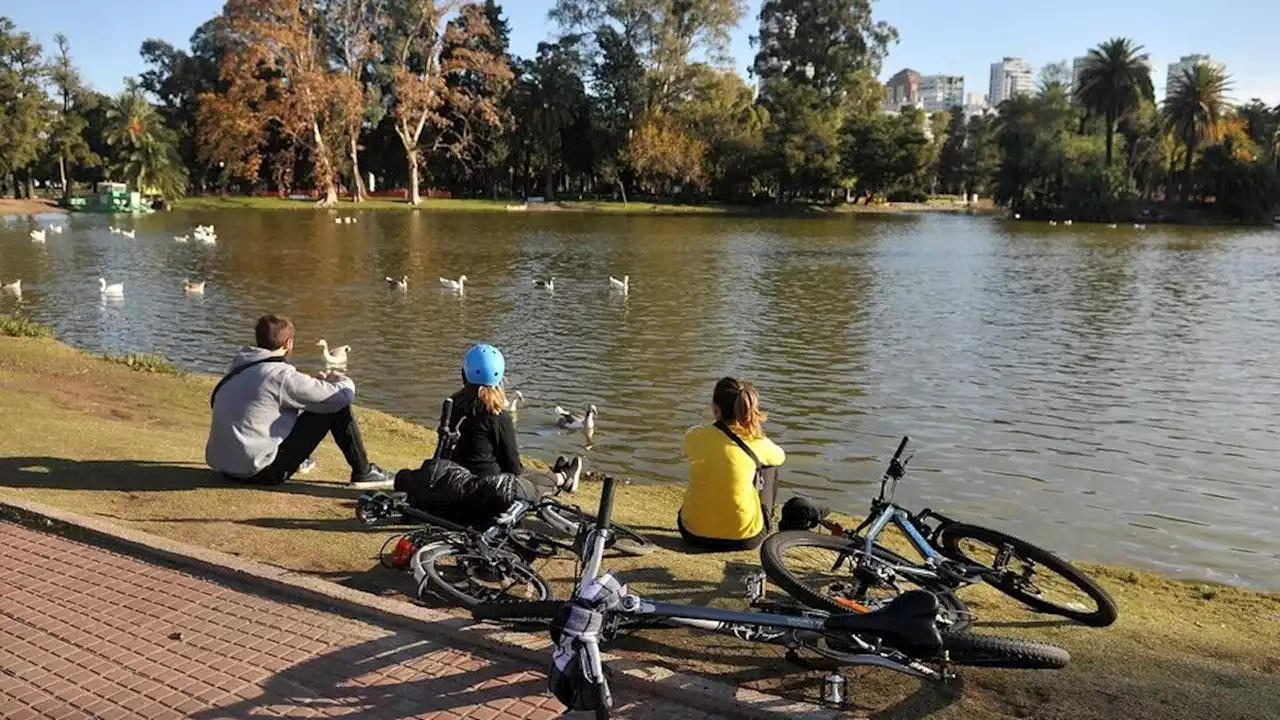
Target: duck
<point x="57" y="229"/>
<point x="131" y="234"/>
<point x="1017" y="216"/>
<point x="337" y="221"/>
<point x="337" y="357"/>
<point x="401" y="284"/>
<point x="14" y="287"/>
<point x="114" y="230"/>
<point x="455" y="285"/>
<point x="1113" y="226"/>
<point x="181" y="238"/>
<point x="1067" y="223"/>
<point x="1053" y="223"/>
<point x="623" y="286"/>
<point x="1139" y="226"/>
<point x="208" y="239"/>
<point x="116" y="290"/>
<point x="549" y="284"/>
<point x="576" y="421"/>
<point x="37" y="236"/>
<point x="193" y="287"/>
<point x="513" y="405"/>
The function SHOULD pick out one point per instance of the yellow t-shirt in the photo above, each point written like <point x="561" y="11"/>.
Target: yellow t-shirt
<point x="721" y="501"/>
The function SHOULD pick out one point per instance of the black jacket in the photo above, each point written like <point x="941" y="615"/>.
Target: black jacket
<point x="449" y="490"/>
<point x="487" y="442"/>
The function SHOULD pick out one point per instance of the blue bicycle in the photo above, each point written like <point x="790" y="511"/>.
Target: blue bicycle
<point x="849" y="571"/>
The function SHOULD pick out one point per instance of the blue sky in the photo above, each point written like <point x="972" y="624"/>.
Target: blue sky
<point x="937" y="36"/>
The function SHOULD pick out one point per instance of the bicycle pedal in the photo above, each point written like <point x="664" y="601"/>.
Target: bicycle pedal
<point x="756" y="587"/>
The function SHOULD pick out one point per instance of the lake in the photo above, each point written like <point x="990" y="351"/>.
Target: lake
<point x="1109" y="394"/>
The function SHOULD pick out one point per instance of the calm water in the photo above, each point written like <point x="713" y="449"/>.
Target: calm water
<point x="1111" y="394"/>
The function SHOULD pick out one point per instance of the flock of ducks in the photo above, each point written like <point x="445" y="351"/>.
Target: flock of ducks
<point x="204" y="234"/>
<point x="1067" y="223"/>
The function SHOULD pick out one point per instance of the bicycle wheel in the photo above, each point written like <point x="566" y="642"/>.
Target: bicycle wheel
<point x="1002" y="652"/>
<point x="467" y="577"/>
<point x="819" y="571"/>
<point x="568" y="520"/>
<point x="1032" y="575"/>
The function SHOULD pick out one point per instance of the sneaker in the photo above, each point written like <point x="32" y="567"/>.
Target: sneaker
<point x="375" y="479"/>
<point x="307" y="466"/>
<point x="568" y="472"/>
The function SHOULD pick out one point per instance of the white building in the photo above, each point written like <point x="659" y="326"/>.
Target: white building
<point x="1178" y="69"/>
<point x="1011" y="76"/>
<point x="940" y="93"/>
<point x="975" y="104"/>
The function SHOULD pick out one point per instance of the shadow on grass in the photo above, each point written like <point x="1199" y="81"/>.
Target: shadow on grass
<point x="137" y="476"/>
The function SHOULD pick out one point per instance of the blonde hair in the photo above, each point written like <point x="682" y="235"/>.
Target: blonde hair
<point x="739" y="406"/>
<point x="492" y="398"/>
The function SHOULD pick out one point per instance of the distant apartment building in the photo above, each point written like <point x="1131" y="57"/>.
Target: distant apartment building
<point x="975" y="104"/>
<point x="1178" y="69"/>
<point x="902" y="89"/>
<point x="940" y="93"/>
<point x="1011" y="76"/>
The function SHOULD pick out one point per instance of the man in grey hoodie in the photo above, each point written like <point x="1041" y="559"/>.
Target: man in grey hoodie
<point x="268" y="416"/>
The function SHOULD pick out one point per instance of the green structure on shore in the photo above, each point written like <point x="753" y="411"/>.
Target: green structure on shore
<point x="109" y="197"/>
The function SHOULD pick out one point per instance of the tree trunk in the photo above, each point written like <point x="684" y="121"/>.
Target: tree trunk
<point x="548" y="181"/>
<point x="411" y="155"/>
<point x="1186" y="172"/>
<point x="1111" y="131"/>
<point x="62" y="172"/>
<point x="324" y="168"/>
<point x="622" y="187"/>
<point x="361" y="192"/>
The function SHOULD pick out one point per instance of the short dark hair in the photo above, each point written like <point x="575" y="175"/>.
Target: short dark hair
<point x="273" y="331"/>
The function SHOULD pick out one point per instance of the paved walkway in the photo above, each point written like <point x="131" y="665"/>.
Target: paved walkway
<point x="85" y="633"/>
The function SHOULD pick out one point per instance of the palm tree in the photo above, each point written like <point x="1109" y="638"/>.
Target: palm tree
<point x="146" y="150"/>
<point x="1115" y="79"/>
<point x="1194" y="110"/>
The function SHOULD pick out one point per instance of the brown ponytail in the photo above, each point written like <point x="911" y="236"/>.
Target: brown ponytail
<point x="739" y="406"/>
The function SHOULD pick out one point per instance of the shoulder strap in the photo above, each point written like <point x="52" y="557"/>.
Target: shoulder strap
<point x="739" y="442"/>
<point x="237" y="371"/>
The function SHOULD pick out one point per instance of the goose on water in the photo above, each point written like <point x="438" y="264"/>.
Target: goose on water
<point x="37" y="236"/>
<point x="337" y="221"/>
<point x="1053" y="223"/>
<point x="401" y="284"/>
<point x="513" y="405"/>
<point x="115" y="290"/>
<point x="57" y="229"/>
<point x="114" y="230"/>
<point x="1139" y="226"/>
<point x="193" y="287"/>
<point x="456" y="285"/>
<point x="131" y="234"/>
<point x="576" y="421"/>
<point x="1067" y="223"/>
<point x="337" y="358"/>
<point x="181" y="238"/>
<point x="209" y="239"/>
<point x="549" y="284"/>
<point x="14" y="287"/>
<point x="1113" y="226"/>
<point x="623" y="286"/>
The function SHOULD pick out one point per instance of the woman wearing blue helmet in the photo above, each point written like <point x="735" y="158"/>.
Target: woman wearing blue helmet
<point x="487" y="434"/>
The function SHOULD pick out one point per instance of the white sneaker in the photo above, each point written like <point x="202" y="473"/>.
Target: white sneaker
<point x="568" y="473"/>
<point x="307" y="466"/>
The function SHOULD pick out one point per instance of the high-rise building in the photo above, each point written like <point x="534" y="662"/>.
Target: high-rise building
<point x="975" y="104"/>
<point x="941" y="92"/>
<point x="902" y="89"/>
<point x="1011" y="76"/>
<point x="1077" y="67"/>
<point x="1178" y="69"/>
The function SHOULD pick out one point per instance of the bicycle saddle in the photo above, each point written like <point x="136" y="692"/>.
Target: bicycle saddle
<point x="909" y="623"/>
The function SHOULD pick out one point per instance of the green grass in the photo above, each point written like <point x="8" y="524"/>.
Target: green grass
<point x="21" y="327"/>
<point x="100" y="439"/>
<point x="143" y="362"/>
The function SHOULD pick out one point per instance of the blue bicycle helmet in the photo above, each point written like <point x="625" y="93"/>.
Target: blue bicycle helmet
<point x="484" y="365"/>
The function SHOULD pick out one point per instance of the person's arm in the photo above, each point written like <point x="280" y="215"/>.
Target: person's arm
<point x="299" y="391"/>
<point x="506" y="449"/>
<point x="769" y="453"/>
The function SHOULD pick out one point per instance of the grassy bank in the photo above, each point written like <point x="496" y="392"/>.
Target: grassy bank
<point x="102" y="438"/>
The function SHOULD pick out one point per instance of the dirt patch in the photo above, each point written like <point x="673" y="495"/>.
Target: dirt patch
<point x="36" y="206"/>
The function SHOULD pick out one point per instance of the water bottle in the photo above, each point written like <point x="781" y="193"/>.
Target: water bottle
<point x="833" y="691"/>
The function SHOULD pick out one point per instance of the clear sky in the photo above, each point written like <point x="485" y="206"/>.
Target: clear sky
<point x="938" y="36"/>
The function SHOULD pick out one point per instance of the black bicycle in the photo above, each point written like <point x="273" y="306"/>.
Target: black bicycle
<point x="848" y="569"/>
<point x="904" y="635"/>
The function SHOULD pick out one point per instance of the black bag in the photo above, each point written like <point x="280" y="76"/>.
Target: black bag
<point x="765" y="480"/>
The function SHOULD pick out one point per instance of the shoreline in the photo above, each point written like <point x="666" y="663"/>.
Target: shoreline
<point x="31" y="206"/>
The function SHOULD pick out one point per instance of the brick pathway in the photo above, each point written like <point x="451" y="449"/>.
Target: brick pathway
<point x="85" y="632"/>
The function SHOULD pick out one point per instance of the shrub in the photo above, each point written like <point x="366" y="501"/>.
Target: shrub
<point x="143" y="362"/>
<point x="23" y="327"/>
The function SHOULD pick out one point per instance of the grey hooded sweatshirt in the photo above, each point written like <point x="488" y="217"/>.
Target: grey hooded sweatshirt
<point x="255" y="410"/>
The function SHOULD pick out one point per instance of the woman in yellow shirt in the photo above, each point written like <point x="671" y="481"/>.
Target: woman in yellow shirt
<point x="722" y="510"/>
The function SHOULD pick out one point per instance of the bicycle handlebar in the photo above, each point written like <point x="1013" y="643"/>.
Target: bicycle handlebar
<point x="446" y="410"/>
<point x="902" y="446"/>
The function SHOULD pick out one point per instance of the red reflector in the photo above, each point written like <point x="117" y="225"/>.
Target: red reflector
<point x="402" y="553"/>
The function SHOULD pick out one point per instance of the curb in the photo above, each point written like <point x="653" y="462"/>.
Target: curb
<point x="638" y="678"/>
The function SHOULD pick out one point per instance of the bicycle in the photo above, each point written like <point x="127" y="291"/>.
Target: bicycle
<point x="903" y="635"/>
<point x="954" y="555"/>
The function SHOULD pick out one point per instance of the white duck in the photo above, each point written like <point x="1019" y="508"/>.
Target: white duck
<point x="401" y="284"/>
<point x="1017" y="216"/>
<point x="1053" y="223"/>
<point x="337" y="221"/>
<point x="513" y="405"/>
<point x="549" y="284"/>
<point x="623" y="286"/>
<point x="114" y="230"/>
<point x="1113" y="226"/>
<point x="455" y="285"/>
<point x="14" y="287"/>
<point x="337" y="358"/>
<point x="116" y="290"/>
<point x="1139" y="226"/>
<point x="193" y="287"/>
<point x="182" y="238"/>
<point x="37" y="236"/>
<point x="576" y="421"/>
<point x="1067" y="223"/>
<point x="131" y="234"/>
<point x="57" y="229"/>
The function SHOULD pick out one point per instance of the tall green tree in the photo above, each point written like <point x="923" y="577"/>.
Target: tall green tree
<point x="145" y="148"/>
<point x="176" y="79"/>
<point x="552" y="102"/>
<point x="618" y="78"/>
<point x="951" y="157"/>
<point x="1262" y="125"/>
<point x="1193" y="111"/>
<point x="66" y="132"/>
<point x="1116" y="78"/>
<point x="24" y="107"/>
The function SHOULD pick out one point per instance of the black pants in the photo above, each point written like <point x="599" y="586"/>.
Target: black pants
<point x="721" y="544"/>
<point x="307" y="434"/>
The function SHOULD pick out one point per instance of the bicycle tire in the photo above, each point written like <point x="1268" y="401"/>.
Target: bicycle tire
<point x="772" y="559"/>
<point x="449" y="592"/>
<point x="1106" y="612"/>
<point x="568" y="520"/>
<point x="1003" y="652"/>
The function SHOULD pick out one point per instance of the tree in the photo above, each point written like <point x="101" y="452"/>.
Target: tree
<point x="351" y="25"/>
<point x="665" y="154"/>
<point x="1115" y="79"/>
<point x="1194" y="109"/>
<point x="552" y="101"/>
<point x="66" y="132"/>
<point x="1262" y="125"/>
<point x="23" y="104"/>
<point x="887" y="154"/>
<point x="177" y="80"/>
<point x="618" y="77"/>
<point x="145" y="148"/>
<point x="952" y="155"/>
